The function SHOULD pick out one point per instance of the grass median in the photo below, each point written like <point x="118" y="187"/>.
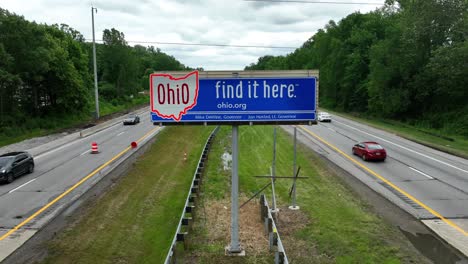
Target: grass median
<point x="135" y="221"/>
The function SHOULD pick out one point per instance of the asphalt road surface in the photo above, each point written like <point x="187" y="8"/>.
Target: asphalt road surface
<point x="429" y="184"/>
<point x="59" y="169"/>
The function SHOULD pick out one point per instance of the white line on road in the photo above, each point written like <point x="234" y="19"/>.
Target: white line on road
<point x="120" y="133"/>
<point x="54" y="150"/>
<point x="87" y="151"/>
<point x="405" y="148"/>
<point x="22" y="185"/>
<point x="71" y="143"/>
<point x="420" y="172"/>
<point x="78" y="140"/>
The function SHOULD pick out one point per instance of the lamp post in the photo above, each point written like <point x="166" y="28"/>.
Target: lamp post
<point x="96" y="94"/>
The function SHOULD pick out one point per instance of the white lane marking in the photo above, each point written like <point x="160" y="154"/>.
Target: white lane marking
<point x="87" y="151"/>
<point x="74" y="142"/>
<point x="54" y="150"/>
<point x="331" y="129"/>
<point x="420" y="172"/>
<point x="22" y="185"/>
<point x="71" y="143"/>
<point x="405" y="148"/>
<point x="120" y="133"/>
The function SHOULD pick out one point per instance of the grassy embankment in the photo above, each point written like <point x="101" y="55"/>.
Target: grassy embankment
<point x="333" y="225"/>
<point x="135" y="221"/>
<point x="444" y="141"/>
<point x="36" y="127"/>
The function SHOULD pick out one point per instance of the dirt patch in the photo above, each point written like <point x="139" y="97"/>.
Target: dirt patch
<point x="217" y="216"/>
<point x="290" y="221"/>
<point x="298" y="250"/>
<point x="212" y="231"/>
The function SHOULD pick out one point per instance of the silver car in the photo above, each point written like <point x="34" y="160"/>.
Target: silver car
<point x="324" y="117"/>
<point x="131" y="120"/>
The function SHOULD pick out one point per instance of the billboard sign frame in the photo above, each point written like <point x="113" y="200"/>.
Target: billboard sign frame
<point x="220" y="96"/>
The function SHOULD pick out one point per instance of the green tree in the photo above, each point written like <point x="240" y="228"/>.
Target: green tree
<point x="8" y="83"/>
<point x="46" y="70"/>
<point x="119" y="66"/>
<point x="406" y="60"/>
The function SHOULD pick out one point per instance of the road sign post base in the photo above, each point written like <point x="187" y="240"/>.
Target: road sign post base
<point x="291" y="207"/>
<point x="236" y="253"/>
<point x="275" y="211"/>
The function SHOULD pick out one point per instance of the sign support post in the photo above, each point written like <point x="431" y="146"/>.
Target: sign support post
<point x="234" y="247"/>
<point x="273" y="174"/>
<point x="294" y="206"/>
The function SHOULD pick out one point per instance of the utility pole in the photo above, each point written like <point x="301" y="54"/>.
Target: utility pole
<point x="96" y="94"/>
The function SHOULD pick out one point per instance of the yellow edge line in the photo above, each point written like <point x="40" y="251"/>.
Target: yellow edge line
<point x="432" y="211"/>
<point x="72" y="188"/>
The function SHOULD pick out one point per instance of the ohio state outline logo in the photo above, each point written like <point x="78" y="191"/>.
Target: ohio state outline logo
<point x="172" y="97"/>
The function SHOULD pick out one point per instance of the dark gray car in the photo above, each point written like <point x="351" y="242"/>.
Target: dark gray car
<point x="131" y="120"/>
<point x="15" y="164"/>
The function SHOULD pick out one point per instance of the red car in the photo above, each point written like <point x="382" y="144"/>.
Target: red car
<point x="370" y="151"/>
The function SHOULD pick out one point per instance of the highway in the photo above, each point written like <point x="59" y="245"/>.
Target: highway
<point x="429" y="184"/>
<point x="57" y="171"/>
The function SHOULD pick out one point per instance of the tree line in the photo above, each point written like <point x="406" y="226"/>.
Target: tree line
<point x="46" y="71"/>
<point x="406" y="61"/>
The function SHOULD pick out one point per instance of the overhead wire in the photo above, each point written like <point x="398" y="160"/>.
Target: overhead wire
<point x="251" y="46"/>
<point x="204" y="44"/>
<point x="316" y="2"/>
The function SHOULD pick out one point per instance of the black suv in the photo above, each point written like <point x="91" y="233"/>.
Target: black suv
<point x="15" y="164"/>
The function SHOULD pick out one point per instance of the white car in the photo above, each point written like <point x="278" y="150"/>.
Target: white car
<point x="324" y="117"/>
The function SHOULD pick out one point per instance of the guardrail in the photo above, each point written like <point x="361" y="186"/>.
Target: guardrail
<point x="270" y="228"/>
<point x="188" y="213"/>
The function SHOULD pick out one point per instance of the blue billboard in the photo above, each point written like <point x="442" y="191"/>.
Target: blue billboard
<point x="233" y="100"/>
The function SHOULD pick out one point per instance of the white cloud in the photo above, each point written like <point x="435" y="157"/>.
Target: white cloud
<point x="234" y="22"/>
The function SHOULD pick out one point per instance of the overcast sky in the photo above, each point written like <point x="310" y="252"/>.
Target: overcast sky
<point x="233" y="22"/>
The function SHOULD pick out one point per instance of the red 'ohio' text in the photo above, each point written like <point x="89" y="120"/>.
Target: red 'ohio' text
<point x="168" y="95"/>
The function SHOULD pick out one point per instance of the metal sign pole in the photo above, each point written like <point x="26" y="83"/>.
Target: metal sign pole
<point x="294" y="207"/>
<point x="273" y="172"/>
<point x="294" y="165"/>
<point x="234" y="247"/>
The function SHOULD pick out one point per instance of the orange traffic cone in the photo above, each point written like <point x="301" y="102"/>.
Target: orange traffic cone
<point x="94" y="148"/>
